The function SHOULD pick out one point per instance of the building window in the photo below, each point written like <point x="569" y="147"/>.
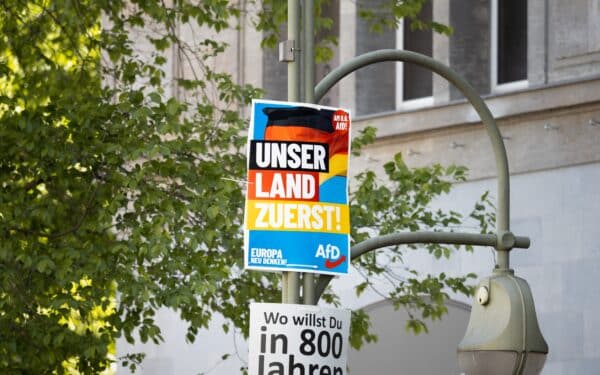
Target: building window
<point x="414" y="84"/>
<point x="469" y="44"/>
<point x="509" y="44"/>
<point x="375" y="84"/>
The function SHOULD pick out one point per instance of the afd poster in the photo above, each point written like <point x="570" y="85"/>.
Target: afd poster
<point x="297" y="216"/>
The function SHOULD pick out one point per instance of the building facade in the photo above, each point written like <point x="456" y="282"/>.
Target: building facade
<point x="537" y="65"/>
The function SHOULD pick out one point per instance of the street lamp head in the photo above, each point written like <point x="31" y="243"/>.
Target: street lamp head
<point x="503" y="335"/>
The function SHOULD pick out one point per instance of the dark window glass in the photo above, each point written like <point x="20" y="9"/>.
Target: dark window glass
<point x="375" y="84"/>
<point x="417" y="81"/>
<point x="512" y="40"/>
<point x="469" y="47"/>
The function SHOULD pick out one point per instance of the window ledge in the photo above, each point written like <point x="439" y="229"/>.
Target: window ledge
<point x="502" y="105"/>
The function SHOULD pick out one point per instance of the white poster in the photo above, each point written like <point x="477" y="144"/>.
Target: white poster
<point x="290" y="339"/>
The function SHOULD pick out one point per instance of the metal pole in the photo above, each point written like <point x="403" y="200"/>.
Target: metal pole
<point x="503" y="203"/>
<point x="284" y="286"/>
<point x="423" y="237"/>
<point x="290" y="292"/>
<point x="308" y="54"/>
<point x="309" y="50"/>
<point x="293" y="34"/>
<point x="293" y="288"/>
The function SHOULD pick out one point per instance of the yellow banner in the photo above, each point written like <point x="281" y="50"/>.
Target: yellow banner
<point x="297" y="216"/>
<point x="338" y="166"/>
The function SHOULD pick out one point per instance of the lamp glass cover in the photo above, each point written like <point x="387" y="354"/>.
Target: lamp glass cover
<point x="487" y="362"/>
<point x="534" y="364"/>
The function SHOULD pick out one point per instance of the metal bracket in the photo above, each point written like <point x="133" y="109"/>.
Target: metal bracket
<point x="454" y="145"/>
<point x="286" y="51"/>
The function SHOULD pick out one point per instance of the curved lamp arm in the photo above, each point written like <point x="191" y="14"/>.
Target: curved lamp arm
<point x="503" y="204"/>
<point x="425" y="237"/>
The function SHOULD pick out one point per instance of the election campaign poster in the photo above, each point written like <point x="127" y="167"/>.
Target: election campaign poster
<point x="297" y="339"/>
<point x="297" y="216"/>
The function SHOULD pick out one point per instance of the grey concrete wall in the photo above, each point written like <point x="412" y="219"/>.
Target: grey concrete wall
<point x="559" y="209"/>
<point x="441" y="50"/>
<point x="274" y="73"/>
<point x="346" y="51"/>
<point x="537" y="42"/>
<point x="545" y="128"/>
<point x="554" y="155"/>
<point x="400" y="352"/>
<point x="574" y="39"/>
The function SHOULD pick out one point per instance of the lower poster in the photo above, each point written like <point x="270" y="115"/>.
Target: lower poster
<point x="297" y="339"/>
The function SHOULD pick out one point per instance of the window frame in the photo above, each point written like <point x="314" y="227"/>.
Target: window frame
<point x="410" y="104"/>
<point x="495" y="87"/>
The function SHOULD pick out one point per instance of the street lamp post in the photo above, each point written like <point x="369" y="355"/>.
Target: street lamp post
<point x="503" y="336"/>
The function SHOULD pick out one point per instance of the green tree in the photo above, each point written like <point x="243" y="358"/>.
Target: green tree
<point x="118" y="199"/>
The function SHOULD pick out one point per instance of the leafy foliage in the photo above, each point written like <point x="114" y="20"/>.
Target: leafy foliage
<point x="389" y="13"/>
<point x="106" y="177"/>
<point x="401" y="201"/>
<point x="380" y="15"/>
<point x="119" y="182"/>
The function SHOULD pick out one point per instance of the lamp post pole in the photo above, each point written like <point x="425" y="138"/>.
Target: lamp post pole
<point x="300" y="79"/>
<point x="308" y="287"/>
<point x="290" y="292"/>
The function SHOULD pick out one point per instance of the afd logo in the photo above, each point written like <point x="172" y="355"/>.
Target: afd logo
<point x="331" y="254"/>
